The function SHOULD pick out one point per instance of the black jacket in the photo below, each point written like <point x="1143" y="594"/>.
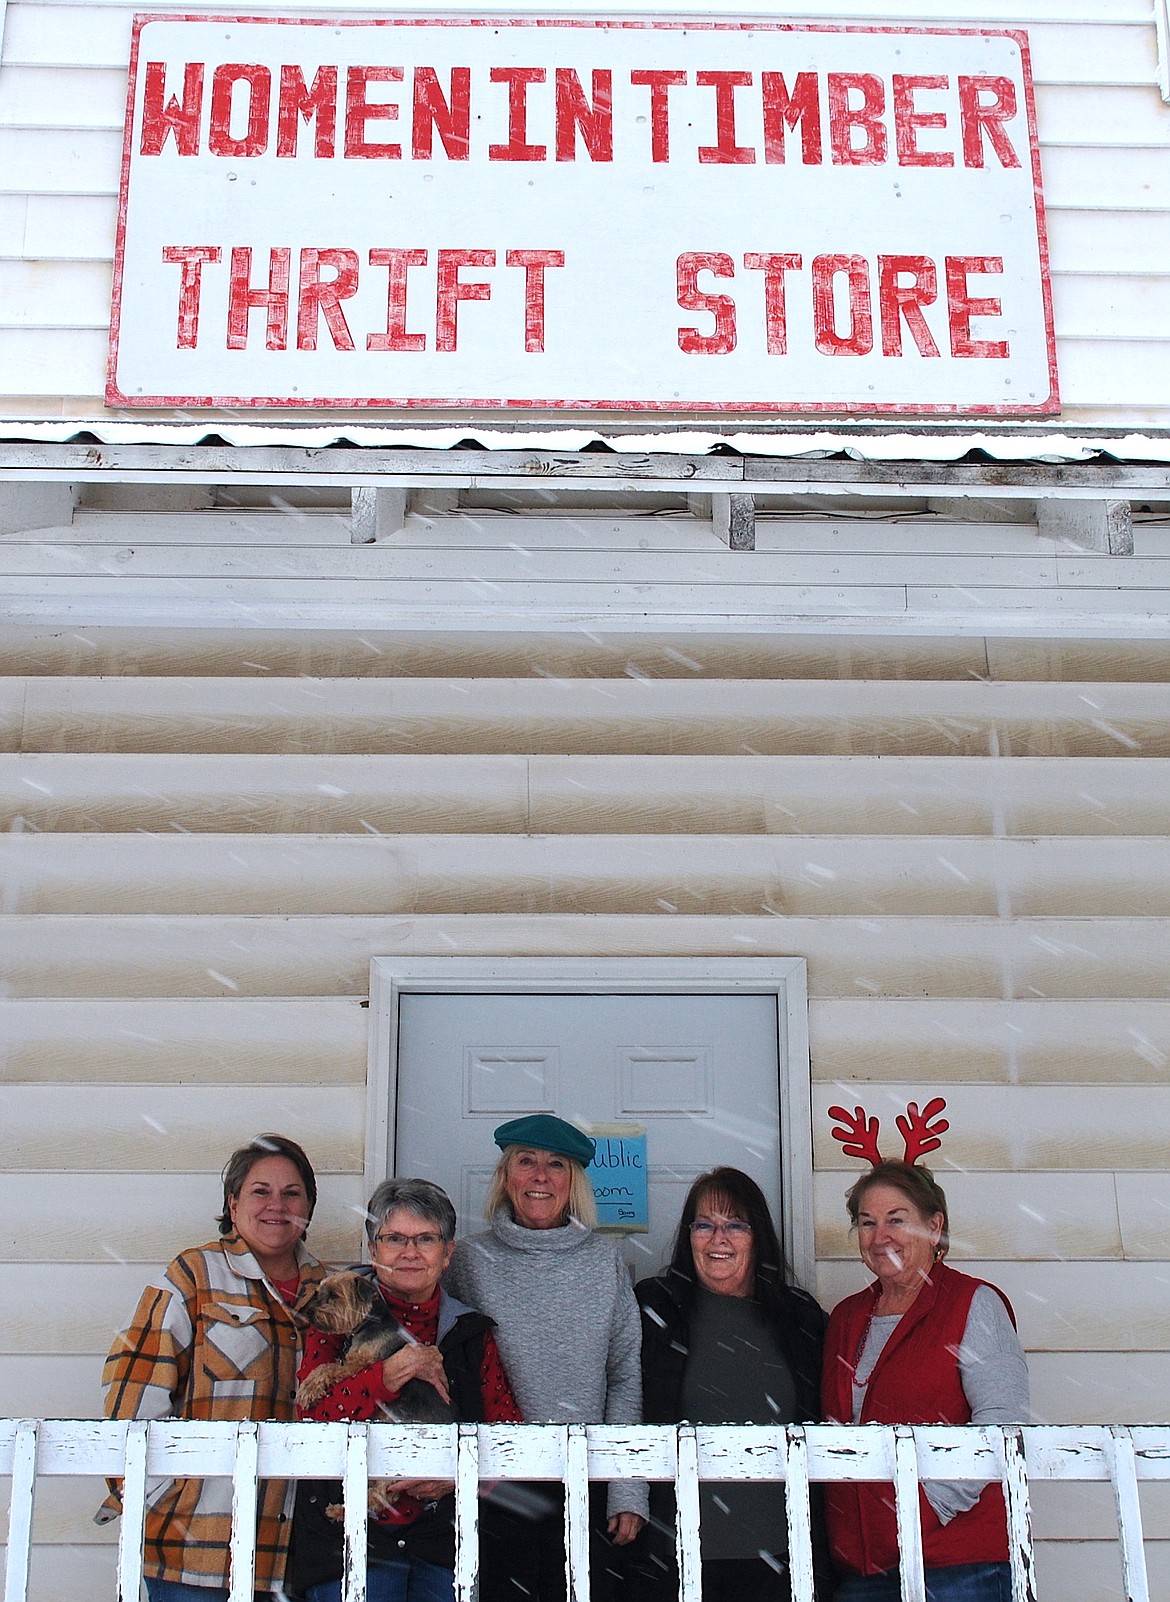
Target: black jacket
<point x="799" y="1328"/>
<point x="316" y="1553"/>
<point x="799" y="1325"/>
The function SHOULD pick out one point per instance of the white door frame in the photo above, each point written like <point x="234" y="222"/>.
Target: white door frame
<point x="783" y="977"/>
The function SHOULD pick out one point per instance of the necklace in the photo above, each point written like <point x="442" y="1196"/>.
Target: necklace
<point x="862" y="1383"/>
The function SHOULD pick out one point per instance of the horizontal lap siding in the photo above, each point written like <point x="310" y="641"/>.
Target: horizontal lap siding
<point x="489" y="570"/>
<point x="198" y="867"/>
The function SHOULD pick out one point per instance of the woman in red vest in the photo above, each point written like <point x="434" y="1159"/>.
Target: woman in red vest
<point x="922" y="1345"/>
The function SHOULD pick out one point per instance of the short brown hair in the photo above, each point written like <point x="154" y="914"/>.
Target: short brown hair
<point x="917" y="1184"/>
<point x="242" y="1161"/>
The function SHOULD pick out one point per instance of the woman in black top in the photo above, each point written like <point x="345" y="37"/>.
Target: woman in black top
<point x="725" y="1340"/>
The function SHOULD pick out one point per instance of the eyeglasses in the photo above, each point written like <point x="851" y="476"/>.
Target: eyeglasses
<point x="425" y="1242"/>
<point x="735" y="1228"/>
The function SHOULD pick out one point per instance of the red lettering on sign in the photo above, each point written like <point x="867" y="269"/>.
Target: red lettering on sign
<point x="161" y="116"/>
<point x="323" y="297"/>
<point x="190" y="258"/>
<point x="726" y="151"/>
<point x="978" y="118"/>
<point x="865" y="118"/>
<point x="448" y="116"/>
<point x="774" y="266"/>
<point x="534" y="263"/>
<point x="859" y="340"/>
<point x="517" y="148"/>
<point x="359" y="111"/>
<point x="396" y="336"/>
<point x="224" y="80"/>
<point x="907" y="121"/>
<point x="449" y="291"/>
<point x="782" y="110"/>
<point x="298" y="102"/>
<point x="659" y="84"/>
<point x="242" y="298"/>
<point x="574" y="112"/>
<point x="691" y="298"/>
<point x="962" y="306"/>
<point x="898" y="302"/>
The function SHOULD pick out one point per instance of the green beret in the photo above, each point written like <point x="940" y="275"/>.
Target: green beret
<point x="547" y="1133"/>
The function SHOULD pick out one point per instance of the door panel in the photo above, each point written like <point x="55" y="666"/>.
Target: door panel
<point x="698" y="1072"/>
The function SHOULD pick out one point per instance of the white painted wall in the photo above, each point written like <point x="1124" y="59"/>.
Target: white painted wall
<point x="204" y="850"/>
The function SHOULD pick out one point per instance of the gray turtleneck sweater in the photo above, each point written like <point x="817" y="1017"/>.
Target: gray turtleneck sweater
<point x="567" y="1326"/>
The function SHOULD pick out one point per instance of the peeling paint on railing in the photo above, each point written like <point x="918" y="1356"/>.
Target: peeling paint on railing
<point x="468" y="1454"/>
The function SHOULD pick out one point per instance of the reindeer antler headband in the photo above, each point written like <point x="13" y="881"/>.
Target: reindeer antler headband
<point x="921" y="1131"/>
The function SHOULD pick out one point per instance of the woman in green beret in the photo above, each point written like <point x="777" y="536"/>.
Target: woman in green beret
<point x="541" y="1270"/>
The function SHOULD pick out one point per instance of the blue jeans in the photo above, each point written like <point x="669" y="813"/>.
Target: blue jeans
<point x="959" y="1582"/>
<point x="401" y="1580"/>
<point x="175" y="1591"/>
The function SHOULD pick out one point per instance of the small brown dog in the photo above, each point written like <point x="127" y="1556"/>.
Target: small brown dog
<point x="351" y="1304"/>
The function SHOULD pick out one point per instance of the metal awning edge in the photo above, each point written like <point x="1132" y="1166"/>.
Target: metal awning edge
<point x="865" y="445"/>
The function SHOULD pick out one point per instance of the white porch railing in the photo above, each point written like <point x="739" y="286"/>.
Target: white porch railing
<point x="468" y="1454"/>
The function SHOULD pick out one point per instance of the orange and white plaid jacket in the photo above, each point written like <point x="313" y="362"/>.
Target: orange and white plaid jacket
<point x="214" y="1340"/>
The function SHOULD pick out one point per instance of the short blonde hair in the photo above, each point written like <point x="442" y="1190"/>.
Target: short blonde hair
<point x="582" y="1207"/>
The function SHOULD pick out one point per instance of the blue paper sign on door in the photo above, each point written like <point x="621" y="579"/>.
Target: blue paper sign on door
<point x="618" y="1176"/>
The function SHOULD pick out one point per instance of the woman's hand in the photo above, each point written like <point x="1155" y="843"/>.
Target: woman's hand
<point x="624" y="1528"/>
<point x="416" y="1362"/>
<point x="422" y="1490"/>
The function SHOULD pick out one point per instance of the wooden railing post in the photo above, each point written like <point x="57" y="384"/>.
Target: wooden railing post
<point x="577" y="1514"/>
<point x="467" y="1513"/>
<point x="24" y="1478"/>
<point x="356" y="1496"/>
<point x="798" y="1508"/>
<point x="1019" y="1518"/>
<point x="909" y="1519"/>
<point x="1123" y="1469"/>
<point x="133" y="1512"/>
<point x="686" y="1517"/>
<point x="244" y="1495"/>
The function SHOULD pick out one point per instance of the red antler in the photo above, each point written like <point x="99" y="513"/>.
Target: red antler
<point x="922" y="1130"/>
<point x="859" y="1135"/>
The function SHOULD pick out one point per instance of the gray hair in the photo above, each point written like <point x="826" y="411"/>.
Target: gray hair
<point x="417" y="1196"/>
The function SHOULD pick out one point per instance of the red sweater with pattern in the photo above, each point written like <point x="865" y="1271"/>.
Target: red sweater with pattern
<point x="364" y="1395"/>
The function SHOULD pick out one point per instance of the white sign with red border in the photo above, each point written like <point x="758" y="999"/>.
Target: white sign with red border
<point x="643" y="216"/>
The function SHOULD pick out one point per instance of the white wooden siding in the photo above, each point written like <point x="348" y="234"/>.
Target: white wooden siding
<point x="492" y="569"/>
<point x="1104" y="132"/>
<point x="208" y="835"/>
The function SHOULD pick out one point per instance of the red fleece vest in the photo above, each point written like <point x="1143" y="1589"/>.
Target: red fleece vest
<point x="916" y="1381"/>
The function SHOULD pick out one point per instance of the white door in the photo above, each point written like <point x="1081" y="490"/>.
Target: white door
<point x="700" y="1073"/>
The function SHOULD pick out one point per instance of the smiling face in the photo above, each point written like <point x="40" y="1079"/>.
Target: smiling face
<point x="538" y="1183"/>
<point x="410" y="1255"/>
<point x="723" y="1248"/>
<point x="271" y="1213"/>
<point x="896" y="1240"/>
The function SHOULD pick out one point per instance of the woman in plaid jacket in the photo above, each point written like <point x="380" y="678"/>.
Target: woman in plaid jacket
<point x="217" y="1338"/>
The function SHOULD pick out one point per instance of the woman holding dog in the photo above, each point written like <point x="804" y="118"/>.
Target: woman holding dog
<point x="217" y="1338"/>
<point x="568" y="1329"/>
<point x="410" y="1225"/>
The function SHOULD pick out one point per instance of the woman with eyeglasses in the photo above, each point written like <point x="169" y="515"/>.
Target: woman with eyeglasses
<point x="726" y="1340"/>
<point x="410" y="1224"/>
